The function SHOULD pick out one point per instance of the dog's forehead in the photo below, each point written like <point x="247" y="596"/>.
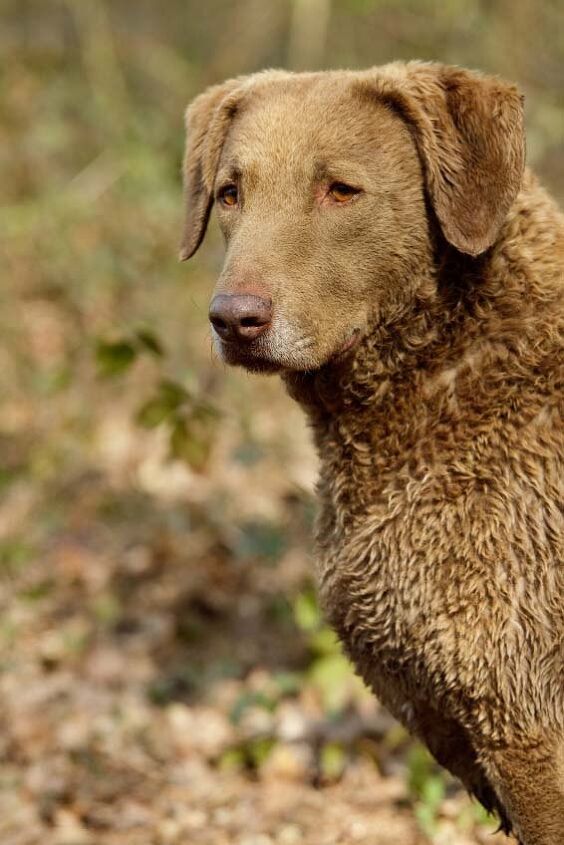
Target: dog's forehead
<point x="295" y="121"/>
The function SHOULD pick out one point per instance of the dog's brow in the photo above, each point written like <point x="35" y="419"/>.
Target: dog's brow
<point x="338" y="169"/>
<point x="230" y="170"/>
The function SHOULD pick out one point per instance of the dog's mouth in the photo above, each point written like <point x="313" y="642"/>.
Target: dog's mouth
<point x="250" y="356"/>
<point x="261" y="355"/>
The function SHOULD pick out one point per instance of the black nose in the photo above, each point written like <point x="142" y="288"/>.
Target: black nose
<point x="238" y="316"/>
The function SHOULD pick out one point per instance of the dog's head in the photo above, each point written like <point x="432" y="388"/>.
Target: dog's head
<point x="328" y="187"/>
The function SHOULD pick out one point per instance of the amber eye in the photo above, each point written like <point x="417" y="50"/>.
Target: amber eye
<point x="228" y="195"/>
<point x="341" y="192"/>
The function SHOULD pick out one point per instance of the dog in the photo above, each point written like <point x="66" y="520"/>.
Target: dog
<point x="392" y="258"/>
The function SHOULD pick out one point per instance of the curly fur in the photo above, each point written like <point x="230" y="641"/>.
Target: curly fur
<point x="440" y="435"/>
<point x="440" y="535"/>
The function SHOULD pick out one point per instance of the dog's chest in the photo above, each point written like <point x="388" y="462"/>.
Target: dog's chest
<point x="405" y="602"/>
<point x="427" y="540"/>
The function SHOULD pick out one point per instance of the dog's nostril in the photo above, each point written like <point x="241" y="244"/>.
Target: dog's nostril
<point x="218" y="323"/>
<point x="253" y="322"/>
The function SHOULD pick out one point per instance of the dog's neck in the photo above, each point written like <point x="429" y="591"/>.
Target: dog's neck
<point x="417" y="337"/>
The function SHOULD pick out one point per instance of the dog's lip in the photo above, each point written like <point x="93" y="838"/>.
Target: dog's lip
<point x="253" y="355"/>
<point x="349" y="345"/>
<point x="249" y="355"/>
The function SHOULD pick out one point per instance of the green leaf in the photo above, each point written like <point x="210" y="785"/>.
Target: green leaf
<point x="324" y="641"/>
<point x="306" y="611"/>
<point x="204" y="412"/>
<point x="172" y="393"/>
<point x="14" y="555"/>
<point x="332" y="676"/>
<point x="232" y="759"/>
<point x="427" y="819"/>
<point x="114" y="358"/>
<point x="433" y="791"/>
<point x="152" y="413"/>
<point x="480" y="815"/>
<point x="149" y="341"/>
<point x="332" y="761"/>
<point x="258" y="750"/>
<point x="420" y="766"/>
<point x="426" y="784"/>
<point x="38" y="591"/>
<point x="184" y="446"/>
<point x="162" y="406"/>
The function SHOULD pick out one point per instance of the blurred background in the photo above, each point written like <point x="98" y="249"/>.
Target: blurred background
<point x="165" y="676"/>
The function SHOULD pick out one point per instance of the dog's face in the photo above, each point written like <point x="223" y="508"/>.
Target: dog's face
<point x="321" y="185"/>
<point x="309" y="192"/>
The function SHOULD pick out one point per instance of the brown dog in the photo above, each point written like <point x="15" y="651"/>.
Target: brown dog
<point x="388" y="254"/>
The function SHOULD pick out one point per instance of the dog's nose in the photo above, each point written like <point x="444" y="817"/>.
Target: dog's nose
<point x="238" y="316"/>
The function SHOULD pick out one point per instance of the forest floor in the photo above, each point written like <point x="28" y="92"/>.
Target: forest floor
<point x="165" y="675"/>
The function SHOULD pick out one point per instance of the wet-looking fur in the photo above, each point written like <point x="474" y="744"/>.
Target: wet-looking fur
<point x="419" y="323"/>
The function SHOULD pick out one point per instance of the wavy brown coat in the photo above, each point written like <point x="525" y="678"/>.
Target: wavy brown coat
<point x="419" y="323"/>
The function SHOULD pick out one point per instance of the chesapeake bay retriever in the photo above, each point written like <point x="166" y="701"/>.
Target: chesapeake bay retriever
<point x="389" y="255"/>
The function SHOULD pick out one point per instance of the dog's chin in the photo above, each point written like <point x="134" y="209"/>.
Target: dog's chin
<point x="250" y="358"/>
<point x="256" y="358"/>
<point x="256" y="364"/>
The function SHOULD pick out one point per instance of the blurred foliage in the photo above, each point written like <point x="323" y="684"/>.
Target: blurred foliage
<point x="156" y="510"/>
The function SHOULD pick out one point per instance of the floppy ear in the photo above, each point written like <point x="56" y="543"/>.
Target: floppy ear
<point x="207" y="121"/>
<point x="469" y="131"/>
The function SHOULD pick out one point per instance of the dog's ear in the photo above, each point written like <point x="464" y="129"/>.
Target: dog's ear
<point x="207" y="122"/>
<point x="469" y="131"/>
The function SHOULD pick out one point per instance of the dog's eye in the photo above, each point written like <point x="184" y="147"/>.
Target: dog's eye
<point x="341" y="192"/>
<point x="228" y="195"/>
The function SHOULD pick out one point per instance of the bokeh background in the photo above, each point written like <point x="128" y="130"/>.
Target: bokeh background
<point x="165" y="676"/>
